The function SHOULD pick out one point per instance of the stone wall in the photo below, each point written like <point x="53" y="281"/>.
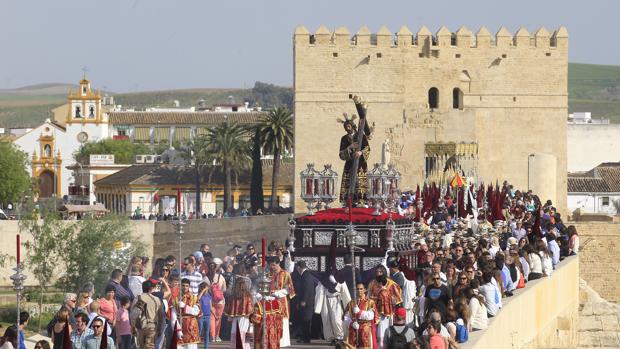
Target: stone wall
<point x="543" y="315"/>
<point x="599" y="320"/>
<point x="514" y="88"/>
<point x="161" y="238"/>
<point x="8" y="230"/>
<point x="220" y="234"/>
<point x="600" y="257"/>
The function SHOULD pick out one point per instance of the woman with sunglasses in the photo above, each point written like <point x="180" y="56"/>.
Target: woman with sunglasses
<point x="462" y="284"/>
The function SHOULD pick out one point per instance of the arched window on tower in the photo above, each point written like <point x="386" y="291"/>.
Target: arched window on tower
<point x="457" y="98"/>
<point x="433" y="98"/>
<point x="78" y="111"/>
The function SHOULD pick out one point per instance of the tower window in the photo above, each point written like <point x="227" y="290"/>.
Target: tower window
<point x="78" y="111"/>
<point x="433" y="98"/>
<point x="83" y="90"/>
<point x="457" y="98"/>
<point x="91" y="111"/>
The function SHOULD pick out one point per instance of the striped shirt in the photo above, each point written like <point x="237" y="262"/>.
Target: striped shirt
<point x="194" y="278"/>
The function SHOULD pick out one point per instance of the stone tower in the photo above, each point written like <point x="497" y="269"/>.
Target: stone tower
<point x="502" y="98"/>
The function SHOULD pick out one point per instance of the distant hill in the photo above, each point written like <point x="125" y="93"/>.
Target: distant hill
<point x="594" y="88"/>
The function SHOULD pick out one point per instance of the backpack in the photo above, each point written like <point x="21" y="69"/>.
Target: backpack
<point x="462" y="334"/>
<point x="216" y="292"/>
<point x="137" y="315"/>
<point x="398" y="340"/>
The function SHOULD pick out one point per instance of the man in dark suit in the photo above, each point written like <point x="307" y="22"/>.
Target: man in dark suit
<point x="346" y="274"/>
<point x="306" y="301"/>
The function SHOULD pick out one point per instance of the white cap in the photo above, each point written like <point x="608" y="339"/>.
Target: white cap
<point x="217" y="261"/>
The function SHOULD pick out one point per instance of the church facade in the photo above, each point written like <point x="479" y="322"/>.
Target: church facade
<point x="492" y="107"/>
<point x="51" y="145"/>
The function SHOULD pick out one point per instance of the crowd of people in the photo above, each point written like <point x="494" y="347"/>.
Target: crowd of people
<point x="464" y="270"/>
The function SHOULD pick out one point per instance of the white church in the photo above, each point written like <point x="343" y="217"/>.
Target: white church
<point x="51" y="145"/>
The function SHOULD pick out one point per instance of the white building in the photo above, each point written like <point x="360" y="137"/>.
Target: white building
<point x="595" y="191"/>
<point x="590" y="142"/>
<point x="51" y="145"/>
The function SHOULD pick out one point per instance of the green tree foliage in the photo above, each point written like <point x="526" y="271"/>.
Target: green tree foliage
<point x="196" y="153"/>
<point x="228" y="145"/>
<point x="14" y="178"/>
<point x="98" y="247"/>
<point x="81" y="251"/>
<point x="277" y="133"/>
<point x="257" y="200"/>
<point x="49" y="243"/>
<point x="123" y="149"/>
<point x="269" y="95"/>
<point x="163" y="146"/>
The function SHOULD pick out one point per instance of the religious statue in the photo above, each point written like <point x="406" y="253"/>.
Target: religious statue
<point x="385" y="154"/>
<point x="355" y="150"/>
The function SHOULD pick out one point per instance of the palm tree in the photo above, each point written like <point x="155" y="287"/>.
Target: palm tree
<point x="195" y="152"/>
<point x="277" y="133"/>
<point x="228" y="145"/>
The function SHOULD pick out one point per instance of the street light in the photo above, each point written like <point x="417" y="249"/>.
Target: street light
<point x="350" y="235"/>
<point x="180" y="223"/>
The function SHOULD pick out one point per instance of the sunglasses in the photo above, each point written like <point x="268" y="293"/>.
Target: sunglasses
<point x="360" y="289"/>
<point x="436" y="279"/>
<point x="96" y="326"/>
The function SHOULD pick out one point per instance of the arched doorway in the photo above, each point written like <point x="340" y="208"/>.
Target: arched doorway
<point x="46" y="184"/>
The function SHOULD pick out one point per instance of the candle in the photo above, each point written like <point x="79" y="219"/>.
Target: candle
<point x="18" y="248"/>
<point x="350" y="210"/>
<point x="179" y="202"/>
<point x="263" y="259"/>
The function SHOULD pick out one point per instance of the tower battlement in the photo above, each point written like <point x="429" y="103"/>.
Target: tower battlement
<point x="501" y="92"/>
<point x="425" y="39"/>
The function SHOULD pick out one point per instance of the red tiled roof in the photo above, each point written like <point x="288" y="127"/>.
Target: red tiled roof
<point x="181" y="118"/>
<point x="604" y="178"/>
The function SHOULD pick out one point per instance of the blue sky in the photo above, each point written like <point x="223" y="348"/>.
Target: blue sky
<point x="130" y="45"/>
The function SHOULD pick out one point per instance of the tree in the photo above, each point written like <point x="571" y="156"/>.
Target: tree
<point x="14" y="178"/>
<point x="124" y="150"/>
<point x="49" y="243"/>
<point x="228" y="145"/>
<point x="256" y="185"/>
<point x="277" y="133"/>
<point x="196" y="153"/>
<point x="97" y="247"/>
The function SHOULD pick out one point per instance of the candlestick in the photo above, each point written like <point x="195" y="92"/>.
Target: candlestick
<point x="350" y="211"/>
<point x="263" y="256"/>
<point x="18" y="248"/>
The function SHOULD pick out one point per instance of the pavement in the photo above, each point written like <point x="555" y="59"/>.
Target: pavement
<point x="317" y="344"/>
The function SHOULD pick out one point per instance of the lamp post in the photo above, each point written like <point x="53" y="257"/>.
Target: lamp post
<point x="18" y="278"/>
<point x="182" y="221"/>
<point x="350" y="235"/>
